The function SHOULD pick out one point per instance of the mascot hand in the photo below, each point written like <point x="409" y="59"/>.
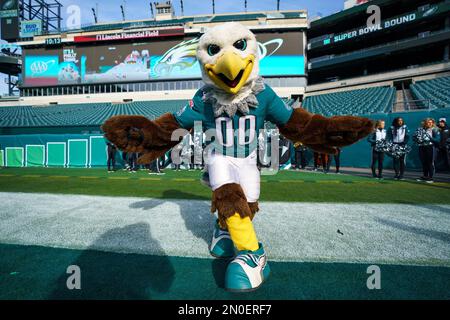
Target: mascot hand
<point x="129" y="133"/>
<point x="325" y="134"/>
<point x="138" y="134"/>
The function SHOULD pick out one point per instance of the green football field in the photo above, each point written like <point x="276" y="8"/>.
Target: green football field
<point x="140" y="236"/>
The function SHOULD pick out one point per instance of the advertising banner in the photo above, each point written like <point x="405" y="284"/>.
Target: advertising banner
<point x="30" y="28"/>
<point x="9" y="8"/>
<point x="130" y="35"/>
<point x="281" y="54"/>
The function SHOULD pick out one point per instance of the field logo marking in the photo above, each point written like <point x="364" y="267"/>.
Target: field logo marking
<point x="374" y="280"/>
<point x="74" y="280"/>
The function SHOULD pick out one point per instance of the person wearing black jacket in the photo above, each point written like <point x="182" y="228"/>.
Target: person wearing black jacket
<point x="398" y="133"/>
<point x="443" y="149"/>
<point x="132" y="161"/>
<point x="427" y="137"/>
<point x="377" y="156"/>
<point x="112" y="150"/>
<point x="299" y="156"/>
<point x="337" y="160"/>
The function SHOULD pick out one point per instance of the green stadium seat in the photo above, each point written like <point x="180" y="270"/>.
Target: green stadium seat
<point x="352" y="102"/>
<point x="437" y="91"/>
<point x="92" y="114"/>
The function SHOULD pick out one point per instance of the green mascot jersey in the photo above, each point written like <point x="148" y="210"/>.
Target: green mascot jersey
<point x="236" y="136"/>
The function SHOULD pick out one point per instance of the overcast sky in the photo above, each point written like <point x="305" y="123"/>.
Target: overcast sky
<point x="109" y="10"/>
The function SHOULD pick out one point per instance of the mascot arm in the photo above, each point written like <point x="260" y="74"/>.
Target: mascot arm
<point x="323" y="134"/>
<point x="139" y="134"/>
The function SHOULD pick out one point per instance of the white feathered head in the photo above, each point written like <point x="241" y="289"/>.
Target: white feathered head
<point x="228" y="56"/>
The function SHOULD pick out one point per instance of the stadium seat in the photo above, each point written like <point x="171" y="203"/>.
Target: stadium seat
<point x="437" y="91"/>
<point x="353" y="102"/>
<point x="92" y="114"/>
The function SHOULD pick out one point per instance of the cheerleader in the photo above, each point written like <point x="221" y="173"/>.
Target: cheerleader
<point x="376" y="139"/>
<point x="299" y="156"/>
<point x="426" y="137"/>
<point x="398" y="134"/>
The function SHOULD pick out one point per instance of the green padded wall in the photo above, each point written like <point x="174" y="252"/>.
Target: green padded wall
<point x="56" y="154"/>
<point x="35" y="155"/>
<point x="77" y="153"/>
<point x="14" y="157"/>
<point x="98" y="156"/>
<point x="2" y="161"/>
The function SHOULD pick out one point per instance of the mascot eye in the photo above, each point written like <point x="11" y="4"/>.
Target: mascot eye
<point x="213" y="49"/>
<point x="240" y="44"/>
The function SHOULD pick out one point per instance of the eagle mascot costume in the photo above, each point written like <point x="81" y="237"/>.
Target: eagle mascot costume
<point x="235" y="102"/>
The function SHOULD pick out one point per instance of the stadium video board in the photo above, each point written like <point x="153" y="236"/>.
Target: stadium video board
<point x="9" y="19"/>
<point x="282" y="54"/>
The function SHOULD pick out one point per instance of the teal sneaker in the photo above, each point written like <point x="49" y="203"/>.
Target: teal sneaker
<point x="247" y="271"/>
<point x="222" y="246"/>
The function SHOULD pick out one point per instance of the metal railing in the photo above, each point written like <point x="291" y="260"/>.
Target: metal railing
<point x="412" y="105"/>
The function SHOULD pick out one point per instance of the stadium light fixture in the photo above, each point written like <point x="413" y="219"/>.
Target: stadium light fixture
<point x="245" y="5"/>
<point x="278" y="5"/>
<point x="123" y="12"/>
<point x="182" y="7"/>
<point x="151" y="9"/>
<point x="95" y="15"/>
<point x="214" y="6"/>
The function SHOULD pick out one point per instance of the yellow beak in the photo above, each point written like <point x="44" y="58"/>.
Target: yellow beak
<point x="231" y="71"/>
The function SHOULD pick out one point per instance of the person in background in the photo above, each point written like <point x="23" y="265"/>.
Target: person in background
<point x="443" y="149"/>
<point x="112" y="150"/>
<point x="398" y="133"/>
<point x="132" y="161"/>
<point x="377" y="155"/>
<point x="337" y="161"/>
<point x="299" y="156"/>
<point x="125" y="161"/>
<point x="320" y="159"/>
<point x="154" y="167"/>
<point x="427" y="138"/>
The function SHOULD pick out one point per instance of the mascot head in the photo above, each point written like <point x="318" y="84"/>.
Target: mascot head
<point x="228" y="56"/>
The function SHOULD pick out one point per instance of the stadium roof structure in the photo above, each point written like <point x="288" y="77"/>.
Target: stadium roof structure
<point x="216" y="18"/>
<point x="323" y="24"/>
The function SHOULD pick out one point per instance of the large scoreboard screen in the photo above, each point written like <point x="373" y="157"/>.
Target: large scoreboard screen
<point x="92" y="60"/>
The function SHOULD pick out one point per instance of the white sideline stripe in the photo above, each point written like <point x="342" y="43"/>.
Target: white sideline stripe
<point x="372" y="233"/>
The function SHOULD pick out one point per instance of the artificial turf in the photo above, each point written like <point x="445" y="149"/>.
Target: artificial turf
<point x="32" y="272"/>
<point x="284" y="186"/>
